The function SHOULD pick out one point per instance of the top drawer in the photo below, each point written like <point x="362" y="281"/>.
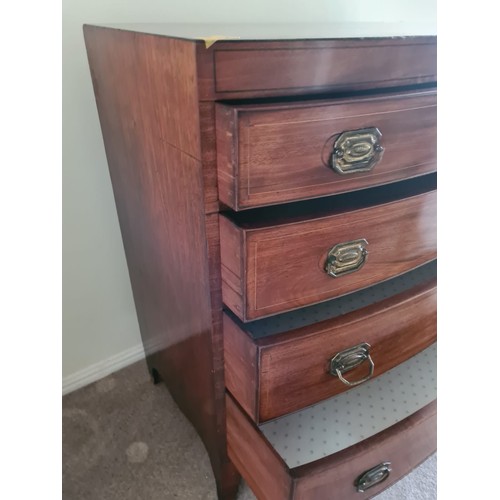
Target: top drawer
<point x="248" y="69"/>
<point x="275" y="153"/>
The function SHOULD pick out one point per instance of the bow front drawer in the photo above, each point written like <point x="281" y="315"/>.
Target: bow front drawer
<point x="268" y="154"/>
<point x="351" y="446"/>
<point x="290" y="361"/>
<point x="279" y="267"/>
<point x="243" y="69"/>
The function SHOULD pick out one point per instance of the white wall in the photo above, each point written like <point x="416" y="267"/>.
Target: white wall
<point x="100" y="330"/>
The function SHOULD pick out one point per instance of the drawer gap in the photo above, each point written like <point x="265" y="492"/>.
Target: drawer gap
<point x="273" y="325"/>
<point x="328" y="95"/>
<point x="331" y="205"/>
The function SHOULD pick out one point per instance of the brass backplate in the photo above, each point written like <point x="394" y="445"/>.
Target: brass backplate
<point x="372" y="477"/>
<point x="345" y="258"/>
<point x="357" y="151"/>
<point x="349" y="358"/>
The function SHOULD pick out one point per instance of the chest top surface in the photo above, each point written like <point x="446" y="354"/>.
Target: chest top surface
<point x="210" y="32"/>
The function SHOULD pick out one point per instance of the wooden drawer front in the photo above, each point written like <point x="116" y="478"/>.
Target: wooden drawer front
<point x="273" y="154"/>
<point x="275" y="269"/>
<point x="276" y="375"/>
<point x="405" y="444"/>
<point x="306" y="67"/>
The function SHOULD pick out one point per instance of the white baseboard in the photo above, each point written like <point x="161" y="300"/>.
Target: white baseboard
<point x="99" y="370"/>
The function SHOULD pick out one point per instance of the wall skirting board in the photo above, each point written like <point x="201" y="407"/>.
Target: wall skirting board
<point x="101" y="369"/>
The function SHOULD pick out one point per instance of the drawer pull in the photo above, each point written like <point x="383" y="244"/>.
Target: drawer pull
<point x="357" y="151"/>
<point x="351" y="358"/>
<point x="373" y="476"/>
<point x="346" y="258"/>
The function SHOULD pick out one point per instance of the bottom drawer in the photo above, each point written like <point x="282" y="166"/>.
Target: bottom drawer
<point x="351" y="446"/>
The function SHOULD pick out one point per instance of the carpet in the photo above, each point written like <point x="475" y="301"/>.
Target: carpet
<point x="125" y="439"/>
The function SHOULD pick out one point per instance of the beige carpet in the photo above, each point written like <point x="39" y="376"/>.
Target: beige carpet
<point x="125" y="439"/>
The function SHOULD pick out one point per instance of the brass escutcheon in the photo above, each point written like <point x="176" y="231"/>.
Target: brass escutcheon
<point x="357" y="151"/>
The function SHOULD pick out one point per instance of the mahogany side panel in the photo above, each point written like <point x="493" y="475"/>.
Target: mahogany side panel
<point x="294" y="367"/>
<point x="148" y="109"/>
<point x="260" y="465"/>
<point x="241" y="70"/>
<point x="284" y="264"/>
<point x="280" y="153"/>
<point x="405" y="444"/>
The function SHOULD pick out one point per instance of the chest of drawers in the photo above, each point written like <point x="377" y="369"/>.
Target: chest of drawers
<point x="276" y="198"/>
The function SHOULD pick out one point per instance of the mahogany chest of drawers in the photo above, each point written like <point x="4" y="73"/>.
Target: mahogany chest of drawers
<point x="276" y="198"/>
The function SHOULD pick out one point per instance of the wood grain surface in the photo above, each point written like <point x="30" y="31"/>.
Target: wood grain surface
<point x="405" y="444"/>
<point x="258" y="462"/>
<point x="148" y="109"/>
<point x="242" y="367"/>
<point x="277" y="153"/>
<point x="242" y="70"/>
<point x="279" y="268"/>
<point x="283" y="373"/>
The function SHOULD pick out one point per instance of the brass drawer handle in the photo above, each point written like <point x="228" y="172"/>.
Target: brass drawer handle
<point x="357" y="151"/>
<point x="373" y="476"/>
<point x="351" y="358"/>
<point x="346" y="258"/>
